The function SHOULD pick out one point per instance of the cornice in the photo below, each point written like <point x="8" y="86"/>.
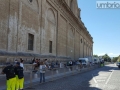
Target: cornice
<point x="80" y="24"/>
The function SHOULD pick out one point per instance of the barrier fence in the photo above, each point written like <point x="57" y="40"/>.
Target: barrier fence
<point x="32" y="77"/>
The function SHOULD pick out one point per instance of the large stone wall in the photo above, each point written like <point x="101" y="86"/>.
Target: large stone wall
<point x="4" y="20"/>
<point x="48" y="20"/>
<point x="70" y="41"/>
<point x="77" y="45"/>
<point x="28" y="23"/>
<point x="62" y="36"/>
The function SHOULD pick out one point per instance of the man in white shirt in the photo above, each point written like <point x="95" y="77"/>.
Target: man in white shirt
<point x="42" y="68"/>
<point x="21" y="63"/>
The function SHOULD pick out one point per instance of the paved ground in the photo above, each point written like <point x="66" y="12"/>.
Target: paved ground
<point x="105" y="78"/>
<point x="50" y="76"/>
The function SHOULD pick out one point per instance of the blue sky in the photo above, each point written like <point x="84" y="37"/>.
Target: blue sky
<point x="103" y="25"/>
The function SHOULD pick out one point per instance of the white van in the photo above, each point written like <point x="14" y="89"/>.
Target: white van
<point x="96" y="60"/>
<point x="84" y="61"/>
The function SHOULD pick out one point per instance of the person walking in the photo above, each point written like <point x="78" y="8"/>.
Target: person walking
<point x="42" y="68"/>
<point x="19" y="76"/>
<point x="10" y="76"/>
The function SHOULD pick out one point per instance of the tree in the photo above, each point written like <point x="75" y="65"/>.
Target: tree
<point x="106" y="58"/>
<point x="118" y="59"/>
<point x="115" y="59"/>
<point x="95" y="55"/>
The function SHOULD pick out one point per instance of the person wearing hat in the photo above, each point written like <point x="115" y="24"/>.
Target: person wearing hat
<point x="10" y="76"/>
<point x="19" y="76"/>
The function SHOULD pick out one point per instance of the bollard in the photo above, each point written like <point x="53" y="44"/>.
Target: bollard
<point x="52" y="75"/>
<point x="30" y="79"/>
<point x="73" y="70"/>
<point x="69" y="69"/>
<point x="77" y="67"/>
<point x="57" y="71"/>
<point x="64" y="72"/>
<point x="35" y="75"/>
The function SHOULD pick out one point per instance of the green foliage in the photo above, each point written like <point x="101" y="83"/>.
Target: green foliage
<point x="95" y="55"/>
<point x="118" y="59"/>
<point x="115" y="59"/>
<point x="106" y="58"/>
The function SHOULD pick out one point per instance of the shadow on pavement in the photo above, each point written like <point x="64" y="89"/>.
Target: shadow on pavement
<point x="81" y="81"/>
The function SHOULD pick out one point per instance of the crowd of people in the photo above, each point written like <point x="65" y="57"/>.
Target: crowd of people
<point x="52" y="65"/>
<point x="15" y="73"/>
<point x="15" y="76"/>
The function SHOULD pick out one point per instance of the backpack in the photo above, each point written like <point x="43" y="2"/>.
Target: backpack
<point x="38" y="64"/>
<point x="43" y="68"/>
<point x="20" y="72"/>
<point x="10" y="72"/>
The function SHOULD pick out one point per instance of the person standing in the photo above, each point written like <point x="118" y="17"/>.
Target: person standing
<point x="19" y="76"/>
<point x="15" y="62"/>
<point x="46" y="63"/>
<point x="70" y="64"/>
<point x="36" y="64"/>
<point x="42" y="68"/>
<point x="52" y="65"/>
<point x="10" y="76"/>
<point x="21" y="63"/>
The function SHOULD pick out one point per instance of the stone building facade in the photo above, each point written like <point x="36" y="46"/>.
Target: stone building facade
<point x="43" y="28"/>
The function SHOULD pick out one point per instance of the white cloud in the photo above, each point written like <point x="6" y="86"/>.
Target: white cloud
<point x="113" y="55"/>
<point x="101" y="54"/>
<point x="110" y="54"/>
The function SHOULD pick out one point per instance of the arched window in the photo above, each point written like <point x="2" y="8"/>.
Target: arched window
<point x="51" y="25"/>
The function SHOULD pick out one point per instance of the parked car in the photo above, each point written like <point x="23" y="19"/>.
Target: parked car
<point x="118" y="64"/>
<point x="84" y="61"/>
<point x="96" y="60"/>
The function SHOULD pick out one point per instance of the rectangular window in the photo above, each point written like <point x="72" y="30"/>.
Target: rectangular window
<point x="50" y="46"/>
<point x="30" y="41"/>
